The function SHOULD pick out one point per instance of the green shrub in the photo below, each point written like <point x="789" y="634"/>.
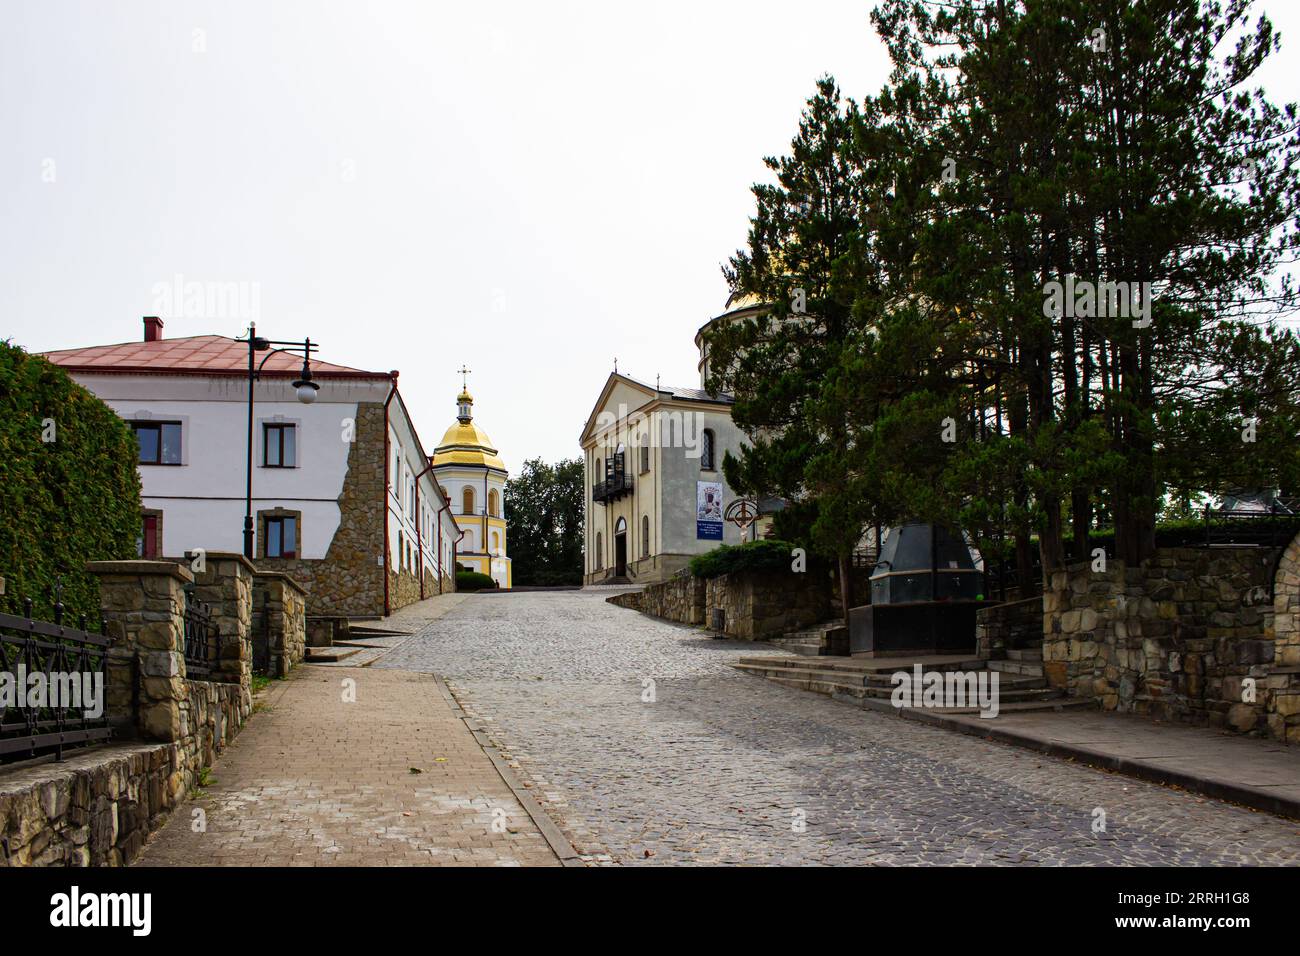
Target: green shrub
<point x="765" y="555"/>
<point x="65" y="502"/>
<point x="473" y="581"/>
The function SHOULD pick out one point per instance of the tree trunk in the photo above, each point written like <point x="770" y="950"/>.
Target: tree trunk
<point x="846" y="585"/>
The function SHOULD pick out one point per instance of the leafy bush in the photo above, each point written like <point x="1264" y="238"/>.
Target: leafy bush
<point x="765" y="555"/>
<point x="67" y="501"/>
<point x="473" y="581"/>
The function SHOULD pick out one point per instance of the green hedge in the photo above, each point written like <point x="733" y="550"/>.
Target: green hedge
<point x="65" y="502"/>
<point x="765" y="555"/>
<point x="473" y="581"/>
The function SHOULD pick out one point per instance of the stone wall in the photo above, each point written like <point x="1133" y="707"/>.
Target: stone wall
<point x="403" y="588"/>
<point x="97" y="807"/>
<point x="1004" y="627"/>
<point x="94" y="809"/>
<point x="757" y="604"/>
<point x="350" y="579"/>
<point x="1180" y="638"/>
<point x="287" y="619"/>
<point x="678" y="599"/>
<point x="760" y="604"/>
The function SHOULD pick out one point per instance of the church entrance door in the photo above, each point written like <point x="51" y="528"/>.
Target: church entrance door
<point x="620" y="549"/>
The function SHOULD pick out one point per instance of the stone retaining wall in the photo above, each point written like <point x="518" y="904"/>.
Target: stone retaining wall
<point x="756" y="604"/>
<point x="759" y="604"/>
<point x="1180" y="638"/>
<point x="678" y="599"/>
<point x="94" y="809"/>
<point x="98" y="806"/>
<point x="1003" y="627"/>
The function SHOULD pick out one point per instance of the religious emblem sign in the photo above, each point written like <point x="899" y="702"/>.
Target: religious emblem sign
<point x="742" y="513"/>
<point x="708" y="510"/>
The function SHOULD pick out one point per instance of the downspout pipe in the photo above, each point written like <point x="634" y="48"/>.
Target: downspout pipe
<point x="446" y="506"/>
<point x="454" y="549"/>
<point x="392" y="393"/>
<point x="419" y="527"/>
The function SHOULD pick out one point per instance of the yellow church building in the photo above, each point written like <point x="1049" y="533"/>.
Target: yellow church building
<point x="473" y="479"/>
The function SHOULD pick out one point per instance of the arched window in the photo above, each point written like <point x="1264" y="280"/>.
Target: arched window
<point x="494" y="503"/>
<point x="645" y="536"/>
<point x="600" y="553"/>
<point x="496" y="543"/>
<point x="706" y="451"/>
<point x="467" y="501"/>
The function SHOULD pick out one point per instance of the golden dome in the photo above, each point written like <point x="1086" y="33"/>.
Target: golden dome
<point x="465" y="443"/>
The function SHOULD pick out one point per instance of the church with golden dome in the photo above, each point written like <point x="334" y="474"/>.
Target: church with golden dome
<point x="473" y="479"/>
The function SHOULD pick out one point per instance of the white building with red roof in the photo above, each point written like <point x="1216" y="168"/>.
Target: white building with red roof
<point x="343" y="498"/>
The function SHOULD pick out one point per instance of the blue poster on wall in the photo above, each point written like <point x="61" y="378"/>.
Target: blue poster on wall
<point x="708" y="510"/>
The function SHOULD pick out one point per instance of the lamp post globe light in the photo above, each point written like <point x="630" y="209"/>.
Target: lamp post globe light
<point x="304" y="388"/>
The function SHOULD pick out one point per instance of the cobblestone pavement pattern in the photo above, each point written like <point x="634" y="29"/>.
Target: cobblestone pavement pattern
<point x="721" y="767"/>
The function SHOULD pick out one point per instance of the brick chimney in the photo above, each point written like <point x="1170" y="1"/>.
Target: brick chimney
<point x="152" y="328"/>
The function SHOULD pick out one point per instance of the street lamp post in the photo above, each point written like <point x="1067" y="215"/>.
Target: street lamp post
<point x="306" y="392"/>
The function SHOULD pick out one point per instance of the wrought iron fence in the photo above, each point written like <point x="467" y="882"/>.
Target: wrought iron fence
<point x="261" y="632"/>
<point x="1267" y="529"/>
<point x="53" y="684"/>
<point x="202" y="642"/>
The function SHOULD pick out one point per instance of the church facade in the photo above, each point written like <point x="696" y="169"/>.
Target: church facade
<point x="654" y="483"/>
<point x="473" y="479"/>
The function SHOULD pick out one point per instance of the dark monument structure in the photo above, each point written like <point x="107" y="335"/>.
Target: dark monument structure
<point x="925" y="590"/>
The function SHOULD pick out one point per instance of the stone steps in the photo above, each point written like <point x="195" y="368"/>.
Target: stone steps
<point x="869" y="681"/>
<point x="329" y="655"/>
<point x="876" y="665"/>
<point x="1055" y="704"/>
<point x="1027" y="668"/>
<point x="807" y="641"/>
<point x="875" y="684"/>
<point x="365" y="630"/>
<point x="1025" y="653"/>
<point x="807" y="647"/>
<point x="1028" y="699"/>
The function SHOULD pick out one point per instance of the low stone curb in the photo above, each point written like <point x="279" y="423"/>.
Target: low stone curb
<point x="1252" y="797"/>
<point x="558" y="842"/>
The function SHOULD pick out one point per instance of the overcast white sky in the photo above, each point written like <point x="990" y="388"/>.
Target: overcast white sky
<point x="528" y="188"/>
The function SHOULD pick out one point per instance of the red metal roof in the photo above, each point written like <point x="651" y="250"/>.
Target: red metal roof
<point x="195" y="355"/>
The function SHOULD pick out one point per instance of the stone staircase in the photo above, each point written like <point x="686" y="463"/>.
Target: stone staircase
<point x="809" y="642"/>
<point x="1024" y="662"/>
<point x="867" y="682"/>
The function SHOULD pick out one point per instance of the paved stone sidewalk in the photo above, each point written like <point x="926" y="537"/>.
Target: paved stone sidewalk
<point x="1262" y="774"/>
<point x="312" y="781"/>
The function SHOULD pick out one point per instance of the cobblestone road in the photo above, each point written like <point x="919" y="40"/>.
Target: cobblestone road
<point x="722" y="767"/>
